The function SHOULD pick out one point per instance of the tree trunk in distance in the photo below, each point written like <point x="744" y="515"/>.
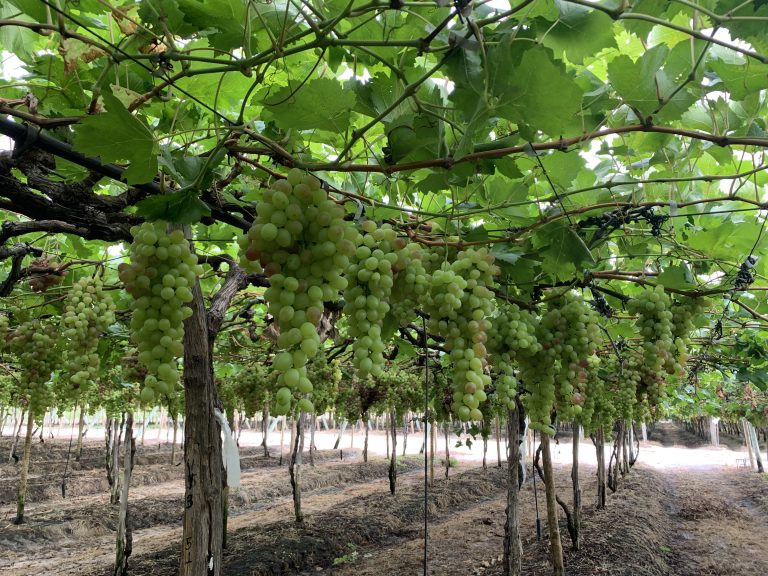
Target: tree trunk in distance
<point x="17" y="425"/>
<point x="143" y="425"/>
<point x="432" y="450"/>
<point x="386" y="428"/>
<point x="393" y="459"/>
<point x="21" y="499"/>
<point x="175" y="433"/>
<point x="748" y="442"/>
<point x="576" y="490"/>
<point x="756" y="448"/>
<point x="265" y="428"/>
<point x="80" y="426"/>
<point x="201" y="553"/>
<point x="365" y="442"/>
<point x="498" y="441"/>
<point x="447" y="450"/>
<point x="124" y="545"/>
<point x="312" y="447"/>
<point x="405" y="432"/>
<point x="513" y="551"/>
<point x="282" y="438"/>
<point x="555" y="544"/>
<point x="600" y="453"/>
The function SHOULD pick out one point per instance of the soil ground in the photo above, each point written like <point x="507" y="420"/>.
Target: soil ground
<point x="685" y="509"/>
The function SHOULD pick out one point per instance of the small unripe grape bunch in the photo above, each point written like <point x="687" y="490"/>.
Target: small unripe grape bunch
<point x="411" y="281"/>
<point x="460" y="304"/>
<point x="303" y="243"/>
<point x="87" y="314"/>
<point x="33" y="342"/>
<point x="160" y="277"/>
<point x="654" y="322"/>
<point x="371" y="278"/>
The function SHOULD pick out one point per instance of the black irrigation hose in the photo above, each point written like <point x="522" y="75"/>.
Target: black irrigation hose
<point x="26" y="136"/>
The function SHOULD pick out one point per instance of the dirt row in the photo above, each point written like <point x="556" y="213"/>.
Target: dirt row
<point x="662" y="521"/>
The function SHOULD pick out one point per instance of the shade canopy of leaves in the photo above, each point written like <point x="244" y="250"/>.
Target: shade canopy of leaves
<point x="591" y="144"/>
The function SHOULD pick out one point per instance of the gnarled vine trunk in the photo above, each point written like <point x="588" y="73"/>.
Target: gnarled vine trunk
<point x="124" y="545"/>
<point x="201" y="543"/>
<point x="21" y="499"/>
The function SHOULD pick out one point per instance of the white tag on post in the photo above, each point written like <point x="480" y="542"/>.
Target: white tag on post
<point x="229" y="453"/>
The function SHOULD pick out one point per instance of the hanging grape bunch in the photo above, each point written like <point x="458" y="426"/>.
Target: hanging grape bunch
<point x="513" y="332"/>
<point x="460" y="304"/>
<point x="683" y="314"/>
<point x="33" y="342"/>
<point x="654" y="322"/>
<point x="371" y="277"/>
<point x="160" y="278"/>
<point x="576" y="337"/>
<point x="411" y="281"/>
<point x="303" y="243"/>
<point x="87" y="313"/>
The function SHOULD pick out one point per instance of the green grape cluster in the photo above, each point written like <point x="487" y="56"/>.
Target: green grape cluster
<point x="654" y="322"/>
<point x="683" y="314"/>
<point x="366" y="299"/>
<point x="572" y="330"/>
<point x="411" y="281"/>
<point x="460" y="304"/>
<point x="33" y="343"/>
<point x="626" y="385"/>
<point x="160" y="278"/>
<point x="304" y="244"/>
<point x="512" y="334"/>
<point x="88" y="311"/>
<point x="596" y="405"/>
<point x="325" y="377"/>
<point x="253" y="386"/>
<point x="403" y="390"/>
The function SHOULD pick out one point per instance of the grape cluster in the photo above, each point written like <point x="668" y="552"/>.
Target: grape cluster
<point x="411" y="281"/>
<point x="33" y="342"/>
<point x="460" y="304"/>
<point x="573" y="332"/>
<point x="87" y="313"/>
<point x="160" y="278"/>
<point x="371" y="277"/>
<point x="513" y="334"/>
<point x="684" y="313"/>
<point x="654" y="322"/>
<point x="301" y="240"/>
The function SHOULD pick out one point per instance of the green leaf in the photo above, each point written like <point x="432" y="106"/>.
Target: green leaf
<point x="758" y="377"/>
<point x="226" y="17"/>
<point x="635" y="82"/>
<point x="537" y="93"/>
<point x="679" y="277"/>
<point x="183" y="207"/>
<point x="118" y="135"/>
<point x="563" y="252"/>
<point x="741" y="79"/>
<point x="578" y="32"/>
<point x="320" y="104"/>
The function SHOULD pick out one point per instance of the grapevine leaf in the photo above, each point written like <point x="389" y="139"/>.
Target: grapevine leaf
<point x="182" y="207"/>
<point x="537" y="93"/>
<point x="118" y="135"/>
<point x="321" y="104"/>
